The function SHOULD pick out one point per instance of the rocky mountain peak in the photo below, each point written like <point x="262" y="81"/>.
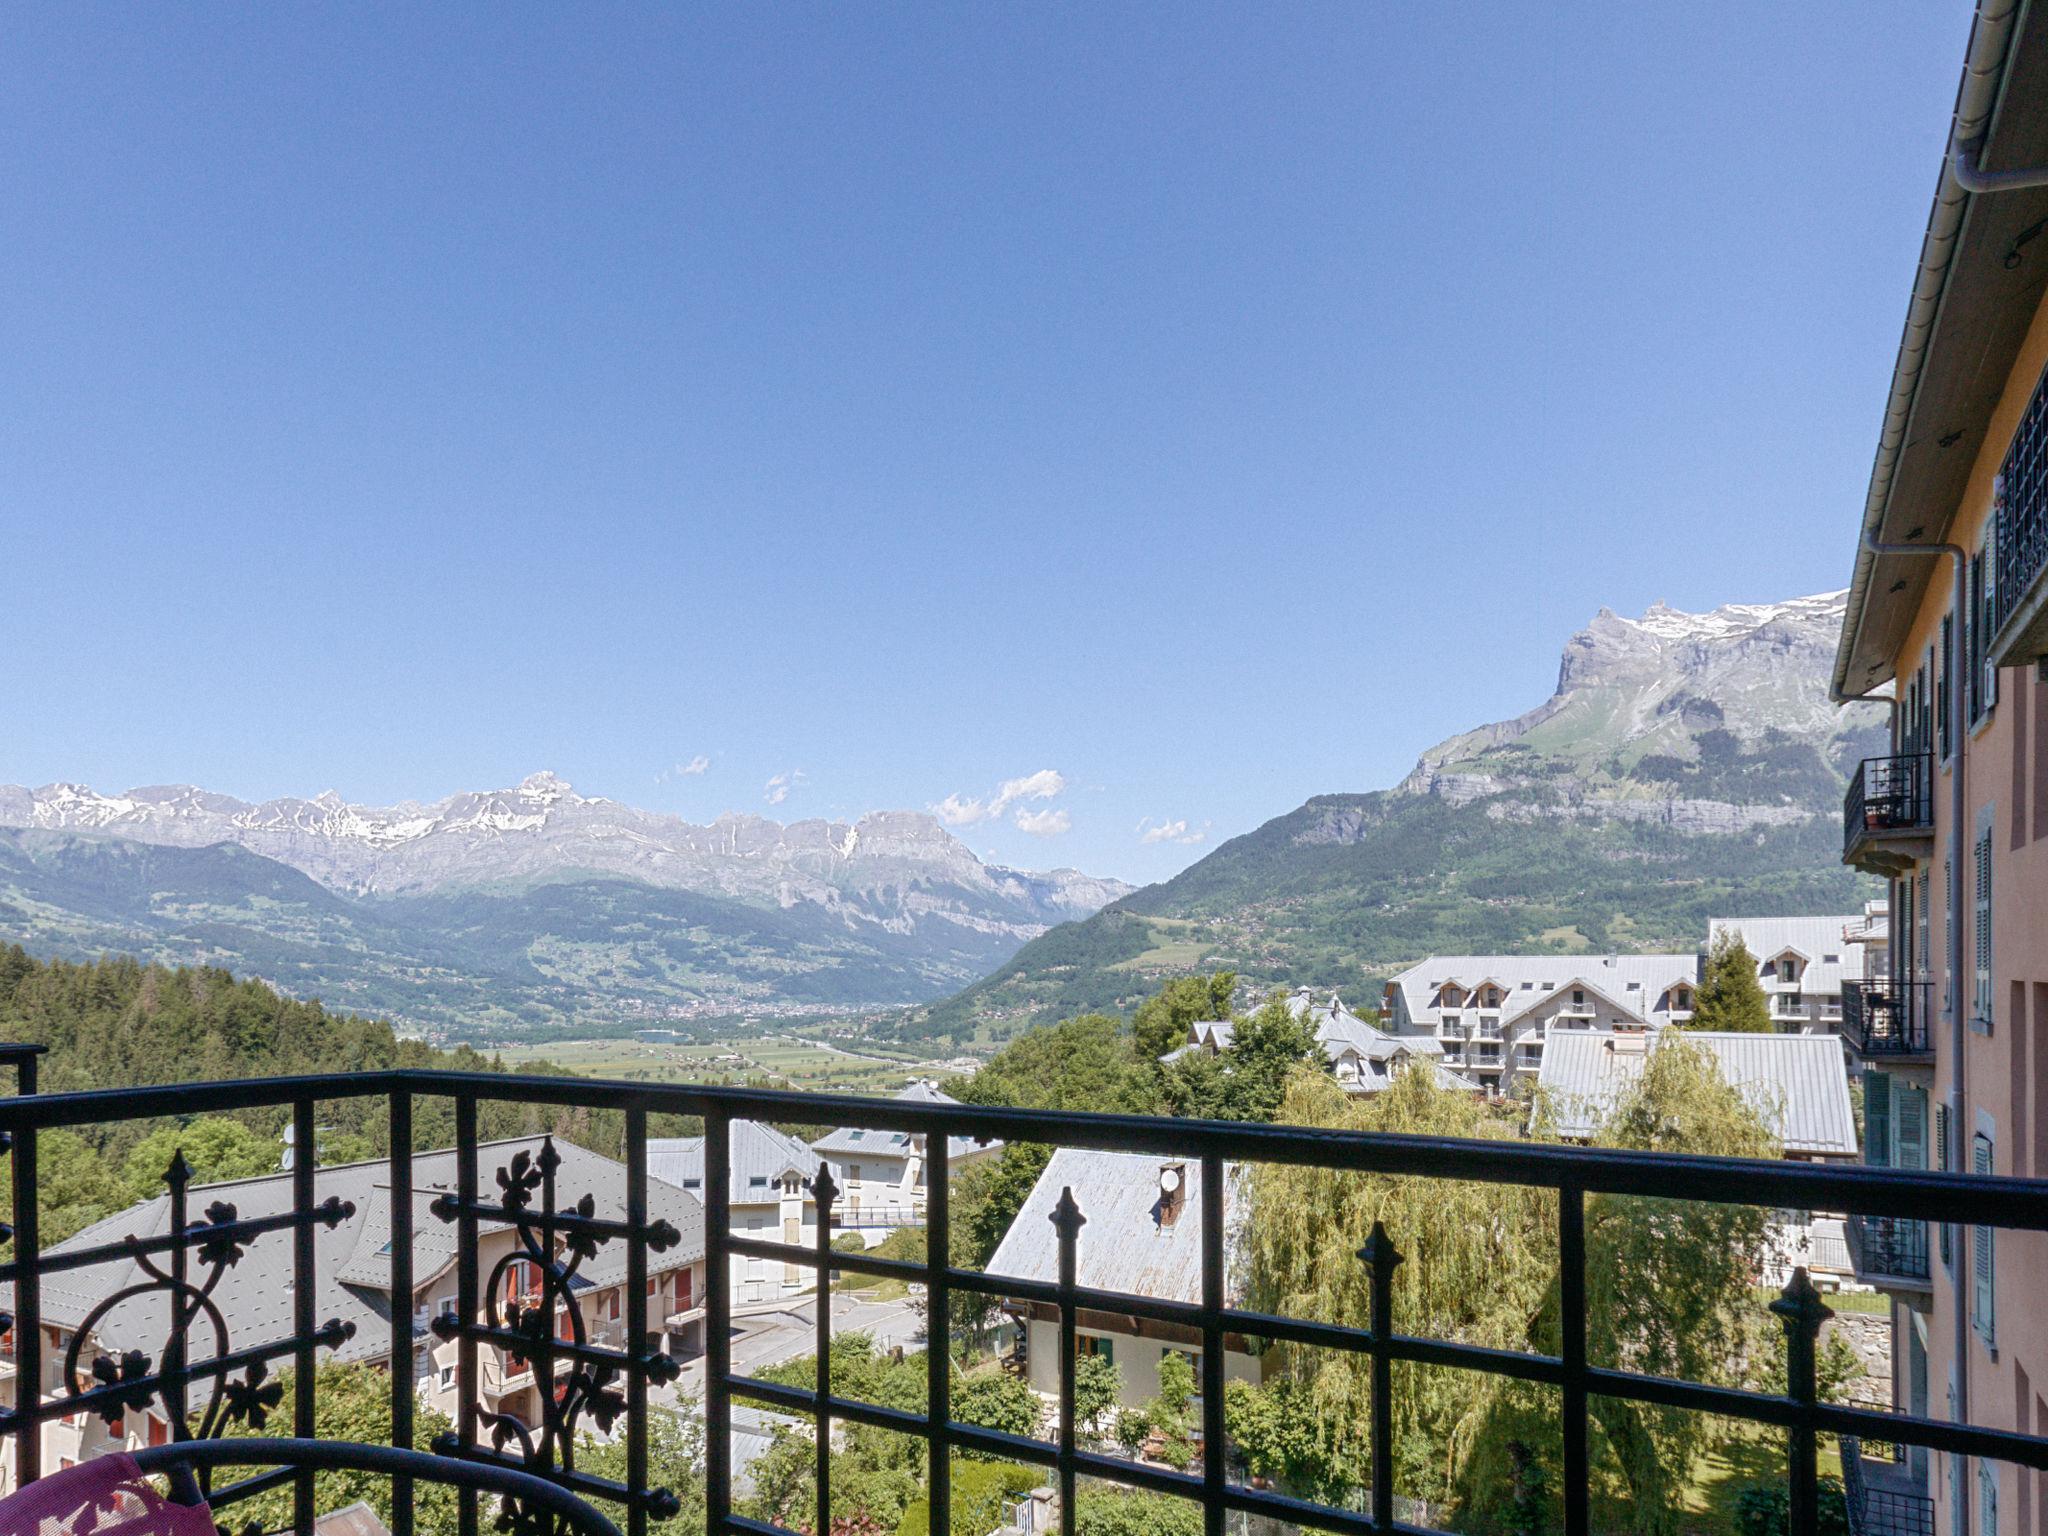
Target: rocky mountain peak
<point x="548" y="786"/>
<point x="1647" y="690"/>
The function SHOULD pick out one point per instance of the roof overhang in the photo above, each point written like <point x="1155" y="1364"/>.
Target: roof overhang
<point x="1983" y="268"/>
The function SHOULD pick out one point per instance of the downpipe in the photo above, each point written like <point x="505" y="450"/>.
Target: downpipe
<point x="1958" y="1034"/>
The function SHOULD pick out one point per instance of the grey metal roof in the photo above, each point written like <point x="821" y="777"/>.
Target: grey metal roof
<point x="1339" y="1030"/>
<point x="1125" y="1245"/>
<point x="1813" y="939"/>
<point x="853" y="1141"/>
<point x="1530" y="979"/>
<point x="757" y="1151"/>
<point x="255" y="1294"/>
<point x="1797" y="1083"/>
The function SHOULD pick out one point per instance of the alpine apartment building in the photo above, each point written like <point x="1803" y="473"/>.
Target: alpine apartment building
<point x="1493" y="1014"/>
<point x="1948" y="618"/>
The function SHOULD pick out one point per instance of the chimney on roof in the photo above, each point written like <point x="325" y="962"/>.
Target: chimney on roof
<point x="1173" y="1192"/>
<point x="1630" y="1043"/>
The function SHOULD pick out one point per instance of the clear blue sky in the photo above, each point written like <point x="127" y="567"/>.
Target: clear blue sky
<point x="1214" y="406"/>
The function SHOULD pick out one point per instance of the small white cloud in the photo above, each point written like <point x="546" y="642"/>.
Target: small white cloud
<point x="960" y="810"/>
<point x="777" y="789"/>
<point x="1171" y="831"/>
<point x="1043" y="823"/>
<point x="1042" y="785"/>
<point x="696" y="767"/>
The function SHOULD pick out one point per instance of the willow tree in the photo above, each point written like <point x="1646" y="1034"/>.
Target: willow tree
<point x="1668" y="1291"/>
<point x="1477" y="1261"/>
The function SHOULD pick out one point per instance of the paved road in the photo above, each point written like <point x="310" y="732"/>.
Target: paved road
<point x="762" y="1339"/>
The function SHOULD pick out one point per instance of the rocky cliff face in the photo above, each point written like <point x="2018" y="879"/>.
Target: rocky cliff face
<point x="896" y="869"/>
<point x="1701" y="722"/>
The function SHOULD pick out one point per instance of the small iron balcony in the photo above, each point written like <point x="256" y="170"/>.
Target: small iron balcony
<point x="1889" y="1252"/>
<point x="1887" y="1018"/>
<point x="1888" y="813"/>
<point x="2018" y="596"/>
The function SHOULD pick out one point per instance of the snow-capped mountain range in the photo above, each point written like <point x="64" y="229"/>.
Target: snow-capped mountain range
<point x="493" y="914"/>
<point x="888" y="866"/>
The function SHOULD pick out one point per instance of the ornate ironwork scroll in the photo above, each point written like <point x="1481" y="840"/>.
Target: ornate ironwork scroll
<point x="576" y="1382"/>
<point x="242" y="1389"/>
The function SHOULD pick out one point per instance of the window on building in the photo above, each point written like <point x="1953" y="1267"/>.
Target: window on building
<point x="1877" y="1119"/>
<point x="1909" y="1126"/>
<point x="1948" y="652"/>
<point x="1921" y="930"/>
<point x="1578" y="996"/>
<point x="1944" y="1160"/>
<point x="1980" y="677"/>
<point x="758" y="1181"/>
<point x="1095" y="1344"/>
<point x="447" y="1377"/>
<point x="1983" y="1292"/>
<point x="1948" y="981"/>
<point x="1981" y="861"/>
<point x="693" y="1183"/>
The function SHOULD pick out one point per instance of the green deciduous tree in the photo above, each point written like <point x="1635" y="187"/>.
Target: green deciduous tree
<point x="1162" y="1021"/>
<point x="1103" y="1512"/>
<point x="1098" y="1383"/>
<point x="1730" y="996"/>
<point x="1247" y="1081"/>
<point x="997" y="1400"/>
<point x="214" y="1150"/>
<point x="675" y="1461"/>
<point x="351" y="1401"/>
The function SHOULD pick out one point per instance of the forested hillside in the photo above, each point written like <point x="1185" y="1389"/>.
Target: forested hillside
<point x="118" y="1023"/>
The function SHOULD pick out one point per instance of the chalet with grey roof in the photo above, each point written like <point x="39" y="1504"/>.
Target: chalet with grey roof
<point x="769" y="1195"/>
<point x="1494" y="1015"/>
<point x="1143" y="1236"/>
<point x="881" y="1174"/>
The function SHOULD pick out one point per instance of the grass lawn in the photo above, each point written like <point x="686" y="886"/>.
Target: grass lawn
<point x="875" y="1287"/>
<point x="1756" y="1454"/>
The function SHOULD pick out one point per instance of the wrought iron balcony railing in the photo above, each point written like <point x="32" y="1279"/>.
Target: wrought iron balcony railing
<point x="2018" y="597"/>
<point x="1888" y="1017"/>
<point x="1888" y="1249"/>
<point x="1888" y="810"/>
<point x="558" y="1230"/>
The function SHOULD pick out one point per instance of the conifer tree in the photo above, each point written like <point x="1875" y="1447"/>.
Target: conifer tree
<point x="1730" y="996"/>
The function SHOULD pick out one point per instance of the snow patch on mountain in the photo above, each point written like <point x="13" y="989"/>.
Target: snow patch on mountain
<point x="889" y="868"/>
